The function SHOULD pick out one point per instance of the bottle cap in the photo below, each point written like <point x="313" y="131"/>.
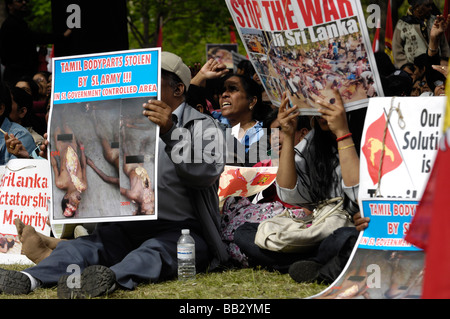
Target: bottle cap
<point x="185" y="231"/>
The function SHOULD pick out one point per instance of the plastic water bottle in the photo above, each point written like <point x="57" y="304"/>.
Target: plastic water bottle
<point x="186" y="256"/>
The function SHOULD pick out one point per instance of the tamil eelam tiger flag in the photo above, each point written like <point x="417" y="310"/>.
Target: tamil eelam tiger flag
<point x="379" y="137"/>
<point x="429" y="227"/>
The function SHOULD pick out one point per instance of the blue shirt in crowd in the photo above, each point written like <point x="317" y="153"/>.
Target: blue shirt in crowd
<point x="252" y="135"/>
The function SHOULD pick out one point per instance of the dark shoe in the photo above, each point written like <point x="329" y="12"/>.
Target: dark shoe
<point x="14" y="282"/>
<point x="68" y="289"/>
<point x="95" y="281"/>
<point x="305" y="271"/>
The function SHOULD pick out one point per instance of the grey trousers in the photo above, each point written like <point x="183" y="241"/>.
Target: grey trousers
<point x="135" y="251"/>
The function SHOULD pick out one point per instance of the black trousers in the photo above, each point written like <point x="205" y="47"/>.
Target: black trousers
<point x="332" y="253"/>
<point x="135" y="251"/>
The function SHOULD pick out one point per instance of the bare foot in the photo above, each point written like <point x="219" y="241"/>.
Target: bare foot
<point x="33" y="246"/>
<point x="19" y="226"/>
<point x="50" y="242"/>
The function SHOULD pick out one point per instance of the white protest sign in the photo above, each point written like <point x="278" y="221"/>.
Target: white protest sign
<point x="411" y="143"/>
<point x="383" y="264"/>
<point x="24" y="194"/>
<point x="309" y="48"/>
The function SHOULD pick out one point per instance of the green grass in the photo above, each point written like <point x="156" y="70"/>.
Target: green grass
<point x="229" y="284"/>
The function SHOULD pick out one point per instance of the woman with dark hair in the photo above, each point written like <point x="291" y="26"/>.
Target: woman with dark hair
<point x="242" y="110"/>
<point x="326" y="165"/>
<point x="29" y="85"/>
<point x="241" y="106"/>
<point x="239" y="210"/>
<point x="39" y="106"/>
<point x="245" y="67"/>
<point x="43" y="79"/>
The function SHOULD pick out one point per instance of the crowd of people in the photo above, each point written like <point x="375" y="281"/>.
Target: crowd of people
<point x="343" y="64"/>
<point x="420" y="53"/>
<point x="317" y="159"/>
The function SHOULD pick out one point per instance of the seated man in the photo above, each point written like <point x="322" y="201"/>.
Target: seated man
<point x="124" y="254"/>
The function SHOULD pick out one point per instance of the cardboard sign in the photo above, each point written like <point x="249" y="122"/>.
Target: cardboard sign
<point x="309" y="48"/>
<point x="103" y="151"/>
<point x="25" y="193"/>
<point x="398" y="149"/>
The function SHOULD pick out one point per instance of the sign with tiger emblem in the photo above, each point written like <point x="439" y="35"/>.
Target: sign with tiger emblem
<point x="398" y="145"/>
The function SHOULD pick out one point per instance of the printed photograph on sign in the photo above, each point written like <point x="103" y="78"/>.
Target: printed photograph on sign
<point x="381" y="274"/>
<point x="103" y="159"/>
<point x="398" y="148"/>
<point x="383" y="264"/>
<point x="222" y="53"/>
<point x="309" y="52"/>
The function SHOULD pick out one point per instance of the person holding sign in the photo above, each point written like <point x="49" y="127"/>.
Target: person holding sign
<point x="412" y="33"/>
<point x="124" y="254"/>
<point x="238" y="210"/>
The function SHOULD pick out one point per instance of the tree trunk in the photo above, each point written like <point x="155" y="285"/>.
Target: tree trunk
<point x="158" y="26"/>
<point x="146" y="23"/>
<point x="3" y="13"/>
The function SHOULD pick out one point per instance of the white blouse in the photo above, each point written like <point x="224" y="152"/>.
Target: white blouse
<point x="300" y="194"/>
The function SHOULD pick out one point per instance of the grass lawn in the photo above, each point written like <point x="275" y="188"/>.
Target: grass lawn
<point x="228" y="284"/>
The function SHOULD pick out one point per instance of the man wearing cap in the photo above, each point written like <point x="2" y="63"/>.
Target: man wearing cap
<point x="122" y="255"/>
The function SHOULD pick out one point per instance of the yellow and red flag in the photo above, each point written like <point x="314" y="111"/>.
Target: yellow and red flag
<point x="388" y="33"/>
<point x="373" y="148"/>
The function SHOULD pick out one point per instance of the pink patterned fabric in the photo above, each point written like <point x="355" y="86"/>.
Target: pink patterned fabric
<point x="239" y="210"/>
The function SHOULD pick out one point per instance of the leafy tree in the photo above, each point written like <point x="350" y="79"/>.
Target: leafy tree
<point x="40" y="17"/>
<point x="188" y="25"/>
